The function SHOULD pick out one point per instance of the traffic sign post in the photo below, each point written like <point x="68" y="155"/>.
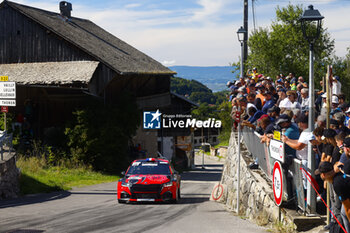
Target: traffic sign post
<point x="7" y="90"/>
<point x="7" y="95"/>
<point x="277" y="183"/>
<point x="4" y="109"/>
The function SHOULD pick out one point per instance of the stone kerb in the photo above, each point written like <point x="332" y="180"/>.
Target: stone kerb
<point x="256" y="195"/>
<point x="9" y="174"/>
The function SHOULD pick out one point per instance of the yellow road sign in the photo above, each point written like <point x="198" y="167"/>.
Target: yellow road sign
<point x="4" y="78"/>
<point x="277" y="135"/>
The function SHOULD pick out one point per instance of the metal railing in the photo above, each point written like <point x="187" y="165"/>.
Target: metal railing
<point x="294" y="190"/>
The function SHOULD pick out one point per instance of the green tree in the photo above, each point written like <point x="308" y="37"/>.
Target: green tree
<point x="282" y="48"/>
<point x="341" y="68"/>
<point x="205" y="111"/>
<point x="196" y="91"/>
<point x="100" y="134"/>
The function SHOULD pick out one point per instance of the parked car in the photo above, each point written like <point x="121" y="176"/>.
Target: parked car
<point x="149" y="180"/>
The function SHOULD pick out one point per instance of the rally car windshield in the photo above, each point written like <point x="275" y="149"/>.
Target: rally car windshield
<point x="149" y="169"/>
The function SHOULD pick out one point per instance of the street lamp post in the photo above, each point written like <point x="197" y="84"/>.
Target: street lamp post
<point x="311" y="26"/>
<point x="240" y="33"/>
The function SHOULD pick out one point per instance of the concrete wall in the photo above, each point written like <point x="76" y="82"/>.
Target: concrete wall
<point x="9" y="183"/>
<point x="168" y="147"/>
<point x="256" y="195"/>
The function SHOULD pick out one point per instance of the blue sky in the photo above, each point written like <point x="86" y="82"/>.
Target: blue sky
<point x="194" y="32"/>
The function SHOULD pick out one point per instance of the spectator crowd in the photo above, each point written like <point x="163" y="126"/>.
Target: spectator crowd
<point x="282" y="104"/>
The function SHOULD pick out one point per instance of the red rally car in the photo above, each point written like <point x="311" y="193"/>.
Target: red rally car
<point x="149" y="180"/>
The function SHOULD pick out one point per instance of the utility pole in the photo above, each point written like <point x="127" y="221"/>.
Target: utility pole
<point x="245" y="25"/>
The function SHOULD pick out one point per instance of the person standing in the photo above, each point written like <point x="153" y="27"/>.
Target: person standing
<point x="300" y="144"/>
<point x="336" y="86"/>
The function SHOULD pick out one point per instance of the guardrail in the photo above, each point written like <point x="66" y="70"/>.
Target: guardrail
<point x="266" y="157"/>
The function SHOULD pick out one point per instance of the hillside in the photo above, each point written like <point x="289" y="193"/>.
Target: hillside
<point x="214" y="77"/>
<point x="196" y="91"/>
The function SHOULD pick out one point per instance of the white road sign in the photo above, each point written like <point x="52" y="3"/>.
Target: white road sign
<point x="8" y="103"/>
<point x="7" y="91"/>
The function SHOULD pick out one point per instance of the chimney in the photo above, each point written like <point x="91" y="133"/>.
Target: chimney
<point x="65" y="8"/>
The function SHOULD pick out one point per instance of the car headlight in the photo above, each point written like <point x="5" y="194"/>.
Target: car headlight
<point x="125" y="184"/>
<point x="169" y="184"/>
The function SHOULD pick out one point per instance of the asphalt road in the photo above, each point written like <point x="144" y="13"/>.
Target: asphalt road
<point x="95" y="209"/>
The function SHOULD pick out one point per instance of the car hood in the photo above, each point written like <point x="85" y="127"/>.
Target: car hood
<point x="148" y="179"/>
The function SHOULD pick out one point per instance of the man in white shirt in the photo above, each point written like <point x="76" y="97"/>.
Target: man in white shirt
<point x="300" y="145"/>
<point x="336" y="86"/>
<point x="291" y="101"/>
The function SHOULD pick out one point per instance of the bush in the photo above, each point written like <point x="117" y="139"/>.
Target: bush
<point x="100" y="134"/>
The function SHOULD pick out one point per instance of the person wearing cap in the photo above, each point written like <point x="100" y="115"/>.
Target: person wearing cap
<point x="335" y="102"/>
<point x="300" y="145"/>
<point x="323" y="104"/>
<point x="340" y="118"/>
<point x="273" y="113"/>
<point x="341" y="185"/>
<point x="291" y="101"/>
<point x="291" y="131"/>
<point x="255" y="74"/>
<point x="269" y="101"/>
<point x="281" y="95"/>
<point x="333" y="124"/>
<point x="336" y="85"/>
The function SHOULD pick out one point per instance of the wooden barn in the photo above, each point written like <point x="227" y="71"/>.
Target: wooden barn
<point x="58" y="60"/>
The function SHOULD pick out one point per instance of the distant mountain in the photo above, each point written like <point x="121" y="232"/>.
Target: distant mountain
<point x="214" y="77"/>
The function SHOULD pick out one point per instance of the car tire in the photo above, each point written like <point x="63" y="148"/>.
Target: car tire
<point x="178" y="196"/>
<point x="121" y="201"/>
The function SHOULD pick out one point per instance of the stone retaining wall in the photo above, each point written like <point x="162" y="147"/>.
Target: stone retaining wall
<point x="256" y="195"/>
<point x="9" y="183"/>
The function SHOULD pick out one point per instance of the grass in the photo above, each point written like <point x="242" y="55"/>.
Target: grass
<point x="224" y="139"/>
<point x="38" y="177"/>
<point x="225" y="142"/>
<point x="279" y="227"/>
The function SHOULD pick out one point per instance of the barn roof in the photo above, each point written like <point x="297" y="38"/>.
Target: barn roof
<point x="105" y="47"/>
<point x="53" y="73"/>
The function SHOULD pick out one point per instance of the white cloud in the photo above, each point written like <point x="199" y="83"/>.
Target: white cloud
<point x="133" y="5"/>
<point x="209" y="9"/>
<point x="169" y="63"/>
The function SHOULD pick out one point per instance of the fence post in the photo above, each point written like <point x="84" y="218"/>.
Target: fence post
<point x="239" y="161"/>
